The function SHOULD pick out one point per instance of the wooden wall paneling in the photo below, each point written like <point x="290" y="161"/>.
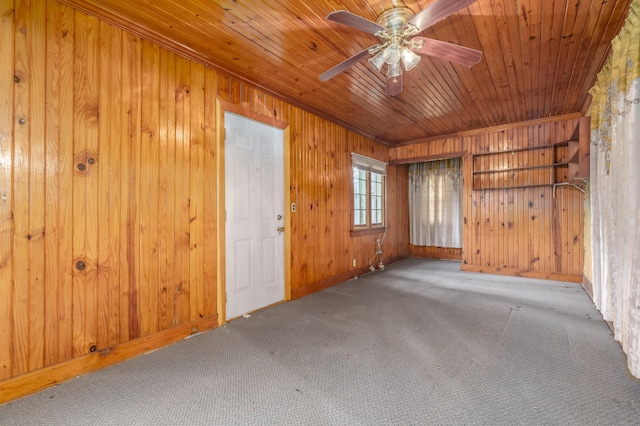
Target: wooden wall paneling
<point x="156" y="289"/>
<point x="344" y="183"/>
<point x="139" y="122"/>
<point x="332" y="228"/>
<point x="126" y="324"/>
<point x="21" y="163"/>
<point x="115" y="124"/>
<point x="143" y="171"/>
<point x="133" y="237"/>
<point x="87" y="105"/>
<point x="6" y="186"/>
<point x="328" y="170"/>
<point x="436" y="252"/>
<point x="313" y="191"/>
<point x="7" y="120"/>
<point x="510" y="196"/>
<point x="183" y="111"/>
<point x="166" y="188"/>
<point x="209" y="203"/>
<point x="294" y="194"/>
<point x="103" y="196"/>
<point x="79" y="191"/>
<point x="303" y="201"/>
<point x="526" y="242"/>
<point x="65" y="20"/>
<point x="546" y="195"/>
<point x="578" y="252"/>
<point x="562" y="223"/>
<point x="196" y="198"/>
<point x="178" y="191"/>
<point x="321" y="145"/>
<point x="36" y="232"/>
<point x="52" y="277"/>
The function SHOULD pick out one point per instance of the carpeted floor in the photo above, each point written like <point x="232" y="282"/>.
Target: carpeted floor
<point x="419" y="343"/>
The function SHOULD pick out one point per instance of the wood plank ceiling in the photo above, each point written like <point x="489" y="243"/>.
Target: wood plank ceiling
<point x="540" y="58"/>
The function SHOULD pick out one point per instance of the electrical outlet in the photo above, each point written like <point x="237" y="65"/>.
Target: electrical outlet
<point x="293" y="207"/>
<point x="354" y="262"/>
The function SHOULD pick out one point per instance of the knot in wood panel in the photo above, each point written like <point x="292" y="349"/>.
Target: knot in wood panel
<point x="85" y="163"/>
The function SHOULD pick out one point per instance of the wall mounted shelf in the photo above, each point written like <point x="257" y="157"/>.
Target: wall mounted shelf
<point x="559" y="163"/>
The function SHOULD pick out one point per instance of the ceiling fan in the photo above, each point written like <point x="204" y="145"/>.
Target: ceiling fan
<point x="400" y="46"/>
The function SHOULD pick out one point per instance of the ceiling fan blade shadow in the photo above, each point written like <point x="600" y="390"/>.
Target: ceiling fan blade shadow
<point x="437" y="11"/>
<point x="394" y="85"/>
<point x="344" y="65"/>
<point x="354" y="21"/>
<point x="448" y="51"/>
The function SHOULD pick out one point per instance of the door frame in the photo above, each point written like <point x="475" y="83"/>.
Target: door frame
<point x="221" y="108"/>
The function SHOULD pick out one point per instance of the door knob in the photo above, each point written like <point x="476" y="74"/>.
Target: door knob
<point x="280" y="229"/>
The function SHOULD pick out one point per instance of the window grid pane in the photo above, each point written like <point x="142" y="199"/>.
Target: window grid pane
<point x="359" y="197"/>
<point x="377" y="200"/>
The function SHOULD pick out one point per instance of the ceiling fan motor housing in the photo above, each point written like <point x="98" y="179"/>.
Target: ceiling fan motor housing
<point x="394" y="19"/>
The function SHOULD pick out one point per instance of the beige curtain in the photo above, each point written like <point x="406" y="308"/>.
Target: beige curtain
<point x="615" y="188"/>
<point x="435" y="203"/>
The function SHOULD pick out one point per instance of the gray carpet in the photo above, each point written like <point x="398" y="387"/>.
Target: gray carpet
<point x="420" y="343"/>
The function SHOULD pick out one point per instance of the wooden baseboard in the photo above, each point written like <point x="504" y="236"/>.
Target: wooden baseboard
<point x="43" y="378"/>
<point x="588" y="286"/>
<point x="297" y="293"/>
<point x="544" y="275"/>
<point x="444" y="253"/>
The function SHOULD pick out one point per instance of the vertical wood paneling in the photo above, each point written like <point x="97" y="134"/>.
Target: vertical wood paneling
<point x="520" y="231"/>
<point x="196" y="152"/>
<point x="53" y="283"/>
<point x="209" y="203"/>
<point x="104" y="178"/>
<point x="114" y="167"/>
<point x="66" y="36"/>
<point x="21" y="166"/>
<point x="6" y="194"/>
<point x="36" y="236"/>
<point x="125" y="224"/>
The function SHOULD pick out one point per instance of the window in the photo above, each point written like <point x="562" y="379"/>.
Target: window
<point x="368" y="194"/>
<point x="435" y="203"/>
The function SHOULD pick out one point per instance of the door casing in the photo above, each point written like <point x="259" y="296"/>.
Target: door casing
<point x="221" y="108"/>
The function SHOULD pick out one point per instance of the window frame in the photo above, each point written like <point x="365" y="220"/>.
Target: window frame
<point x="369" y="167"/>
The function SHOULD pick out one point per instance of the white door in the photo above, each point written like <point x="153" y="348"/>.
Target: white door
<point x="254" y="202"/>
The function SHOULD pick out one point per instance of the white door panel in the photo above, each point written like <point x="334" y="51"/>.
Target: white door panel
<point x="254" y="188"/>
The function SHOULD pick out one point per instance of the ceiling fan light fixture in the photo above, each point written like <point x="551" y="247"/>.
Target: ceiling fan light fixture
<point x="377" y="61"/>
<point x="394" y="70"/>
<point x="409" y="58"/>
<point x="391" y="54"/>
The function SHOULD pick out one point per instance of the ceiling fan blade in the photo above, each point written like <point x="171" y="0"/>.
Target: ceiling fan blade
<point x="344" y="65"/>
<point x="437" y="11"/>
<point x="394" y="85"/>
<point x="448" y="51"/>
<point x="354" y="21"/>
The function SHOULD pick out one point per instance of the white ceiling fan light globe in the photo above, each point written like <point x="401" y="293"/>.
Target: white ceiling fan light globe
<point x="394" y="70"/>
<point x="409" y="58"/>
<point x="377" y="61"/>
<point x="391" y="54"/>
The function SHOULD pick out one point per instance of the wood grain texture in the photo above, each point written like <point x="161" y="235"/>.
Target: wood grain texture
<point x="530" y="231"/>
<point x="447" y="253"/>
<point x="7" y="83"/>
<point x="111" y="219"/>
<point x="539" y="58"/>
